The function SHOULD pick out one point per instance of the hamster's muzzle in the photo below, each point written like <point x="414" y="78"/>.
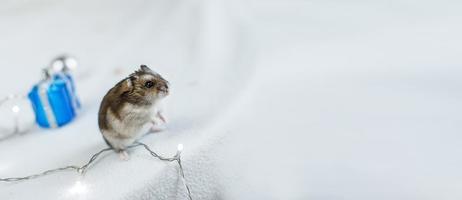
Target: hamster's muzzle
<point x="163" y="88"/>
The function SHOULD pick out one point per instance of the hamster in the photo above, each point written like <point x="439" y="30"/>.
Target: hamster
<point x="131" y="107"/>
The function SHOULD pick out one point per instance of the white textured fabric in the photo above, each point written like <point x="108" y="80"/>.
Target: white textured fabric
<point x="271" y="99"/>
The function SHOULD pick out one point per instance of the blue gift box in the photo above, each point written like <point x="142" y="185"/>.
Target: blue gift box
<point x="66" y="77"/>
<point x="54" y="101"/>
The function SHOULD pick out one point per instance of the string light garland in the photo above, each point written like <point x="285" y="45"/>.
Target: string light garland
<point x="61" y="66"/>
<point x="10" y="97"/>
<point x="83" y="169"/>
<point x="18" y="108"/>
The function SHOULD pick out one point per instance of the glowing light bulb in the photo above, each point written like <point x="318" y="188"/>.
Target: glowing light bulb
<point x="15" y="109"/>
<point x="78" y="188"/>
<point x="180" y="147"/>
<point x="57" y="65"/>
<point x="71" y="63"/>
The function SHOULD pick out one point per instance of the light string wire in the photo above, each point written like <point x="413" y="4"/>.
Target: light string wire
<point x="83" y="169"/>
<point x="10" y="97"/>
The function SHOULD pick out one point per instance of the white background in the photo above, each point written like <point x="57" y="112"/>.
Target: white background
<point x="272" y="99"/>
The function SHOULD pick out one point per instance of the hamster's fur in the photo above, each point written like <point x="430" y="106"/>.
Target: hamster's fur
<point x="131" y="107"/>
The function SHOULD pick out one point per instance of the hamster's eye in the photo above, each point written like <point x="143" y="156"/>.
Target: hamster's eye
<point x="149" y="84"/>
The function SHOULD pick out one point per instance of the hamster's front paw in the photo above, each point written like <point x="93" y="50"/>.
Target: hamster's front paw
<point x="156" y="128"/>
<point x="161" y="117"/>
<point x="158" y="119"/>
<point x="158" y="123"/>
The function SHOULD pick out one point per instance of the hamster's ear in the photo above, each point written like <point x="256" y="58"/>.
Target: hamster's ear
<point x="145" y="68"/>
<point x="127" y="85"/>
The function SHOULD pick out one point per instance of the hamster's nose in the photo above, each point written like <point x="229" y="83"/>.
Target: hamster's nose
<point x="163" y="87"/>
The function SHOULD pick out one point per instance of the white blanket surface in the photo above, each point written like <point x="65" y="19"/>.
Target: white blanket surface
<point x="271" y="99"/>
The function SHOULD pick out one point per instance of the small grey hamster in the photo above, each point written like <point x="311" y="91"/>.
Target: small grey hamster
<point x="131" y="107"/>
